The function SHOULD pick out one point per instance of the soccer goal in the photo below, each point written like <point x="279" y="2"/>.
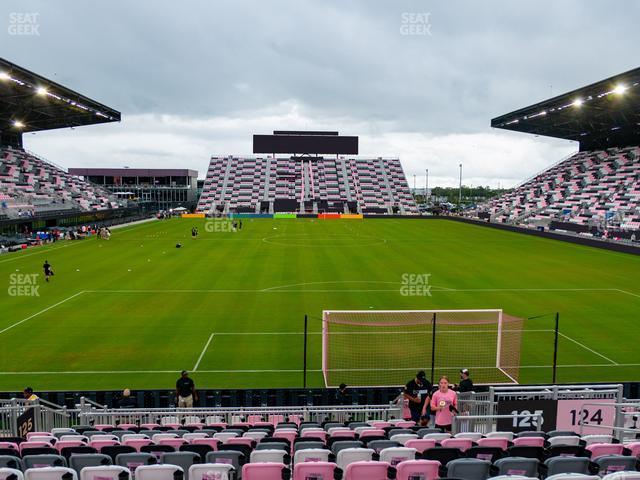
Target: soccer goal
<point x="387" y="347"/>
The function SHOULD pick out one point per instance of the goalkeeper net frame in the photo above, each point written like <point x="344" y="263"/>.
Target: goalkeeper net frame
<point x="380" y="348"/>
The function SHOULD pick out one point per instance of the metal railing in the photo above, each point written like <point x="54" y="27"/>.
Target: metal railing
<point x="618" y="429"/>
<point x="38" y="415"/>
<point x="92" y="415"/>
<point x="487" y="423"/>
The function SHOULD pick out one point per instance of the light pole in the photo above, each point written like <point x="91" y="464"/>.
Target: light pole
<point x="460" y="190"/>
<point x="426" y="187"/>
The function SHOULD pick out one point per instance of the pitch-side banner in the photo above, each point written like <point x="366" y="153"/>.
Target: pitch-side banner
<point x="571" y="413"/>
<point x="546" y="408"/>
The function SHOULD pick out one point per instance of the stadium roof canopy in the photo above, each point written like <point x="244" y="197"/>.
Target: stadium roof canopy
<point x="603" y="114"/>
<point x="30" y="103"/>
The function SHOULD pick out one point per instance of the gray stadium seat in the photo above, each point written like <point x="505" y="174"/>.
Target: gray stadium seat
<point x="134" y="460"/>
<point x="229" y="457"/>
<point x="615" y="463"/>
<point x="557" y="465"/>
<point x="468" y="469"/>
<point x="39" y="461"/>
<point x="9" y="461"/>
<point x="80" y="461"/>
<point x="181" y="459"/>
<point x="517" y="466"/>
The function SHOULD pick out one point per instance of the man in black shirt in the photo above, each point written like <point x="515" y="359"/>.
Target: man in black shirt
<point x="185" y="391"/>
<point x="127" y="401"/>
<point x="343" y="396"/>
<point x="466" y="384"/>
<point x="418" y="391"/>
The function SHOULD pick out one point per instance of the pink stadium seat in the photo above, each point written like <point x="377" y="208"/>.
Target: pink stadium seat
<point x="314" y="432"/>
<point x="314" y="470"/>
<point x="29" y="444"/>
<point x="69" y="443"/>
<point x="9" y="445"/>
<point x="104" y="427"/>
<point x="262" y="471"/>
<point x="634" y="448"/>
<point x="288" y="435"/>
<point x="253" y="419"/>
<point x="418" y="469"/>
<point x="502" y="443"/>
<point x="275" y="419"/>
<point x="462" y="444"/>
<point x="212" y="442"/>
<point x="421" y="444"/>
<point x="137" y="443"/>
<point x="599" y="449"/>
<point x="98" y="444"/>
<point x="127" y="426"/>
<point x="405" y="424"/>
<point x="367" y="471"/>
<point x="379" y="423"/>
<point x="377" y="432"/>
<point x="346" y="432"/>
<point x="249" y="442"/>
<point x="529" y="442"/>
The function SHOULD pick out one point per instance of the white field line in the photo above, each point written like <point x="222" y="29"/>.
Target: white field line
<point x="279" y="289"/>
<point x="120" y="372"/>
<point x="41" y="311"/>
<point x="195" y="367"/>
<point x="586" y="348"/>
<point x="18" y="256"/>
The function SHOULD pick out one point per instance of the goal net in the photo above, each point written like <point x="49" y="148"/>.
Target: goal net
<point x="388" y="347"/>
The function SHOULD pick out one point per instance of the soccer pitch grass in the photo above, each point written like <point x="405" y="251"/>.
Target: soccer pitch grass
<point x="134" y="311"/>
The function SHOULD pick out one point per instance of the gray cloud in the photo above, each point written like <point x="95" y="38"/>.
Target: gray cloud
<point x="207" y="73"/>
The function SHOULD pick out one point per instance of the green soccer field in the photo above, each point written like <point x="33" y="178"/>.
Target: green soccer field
<point x="134" y="311"/>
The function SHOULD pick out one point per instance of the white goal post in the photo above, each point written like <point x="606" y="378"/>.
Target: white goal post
<point x="387" y="347"/>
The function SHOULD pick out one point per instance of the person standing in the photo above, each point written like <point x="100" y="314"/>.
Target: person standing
<point x="127" y="401"/>
<point x="186" y="391"/>
<point x="28" y="394"/>
<point x="343" y="396"/>
<point x="46" y="267"/>
<point x="417" y="392"/>
<point x="444" y="402"/>
<point x="466" y="384"/>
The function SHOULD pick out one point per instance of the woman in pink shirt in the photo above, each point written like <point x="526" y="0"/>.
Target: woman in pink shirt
<point x="445" y="403"/>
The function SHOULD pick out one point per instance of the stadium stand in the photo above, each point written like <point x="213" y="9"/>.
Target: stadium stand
<point x="267" y="184"/>
<point x="271" y="448"/>
<point x="30" y="185"/>
<point x="582" y="193"/>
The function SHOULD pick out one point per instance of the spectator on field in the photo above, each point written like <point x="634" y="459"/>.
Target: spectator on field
<point x="444" y="402"/>
<point x="466" y="384"/>
<point x="343" y="396"/>
<point x="28" y="394"/>
<point x="185" y="391"/>
<point x="127" y="401"/>
<point x="417" y="391"/>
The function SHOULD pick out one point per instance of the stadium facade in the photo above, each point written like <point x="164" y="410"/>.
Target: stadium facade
<point x="153" y="188"/>
<point x="321" y="174"/>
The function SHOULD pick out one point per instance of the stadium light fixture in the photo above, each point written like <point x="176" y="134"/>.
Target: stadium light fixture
<point x="18" y="124"/>
<point x="620" y="89"/>
<point x="42" y="91"/>
<point x="578" y="102"/>
<point x="4" y="76"/>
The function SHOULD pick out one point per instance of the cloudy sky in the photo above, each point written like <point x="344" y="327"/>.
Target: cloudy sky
<point x="415" y="79"/>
